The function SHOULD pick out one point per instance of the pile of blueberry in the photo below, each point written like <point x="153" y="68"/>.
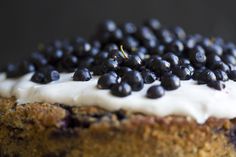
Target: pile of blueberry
<point x="127" y="56"/>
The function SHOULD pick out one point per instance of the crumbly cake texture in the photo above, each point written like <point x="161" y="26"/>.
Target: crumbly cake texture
<point x="54" y="130"/>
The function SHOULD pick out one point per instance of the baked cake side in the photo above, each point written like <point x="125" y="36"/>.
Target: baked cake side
<point x="53" y="130"/>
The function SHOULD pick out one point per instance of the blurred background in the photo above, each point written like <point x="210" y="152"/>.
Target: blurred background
<point x="25" y="23"/>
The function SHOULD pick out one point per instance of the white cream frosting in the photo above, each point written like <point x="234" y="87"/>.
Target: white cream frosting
<point x="197" y="101"/>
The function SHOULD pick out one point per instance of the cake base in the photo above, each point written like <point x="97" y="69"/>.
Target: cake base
<point x="53" y="130"/>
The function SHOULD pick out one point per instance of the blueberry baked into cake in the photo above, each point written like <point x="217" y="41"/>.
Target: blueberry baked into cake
<point x="129" y="91"/>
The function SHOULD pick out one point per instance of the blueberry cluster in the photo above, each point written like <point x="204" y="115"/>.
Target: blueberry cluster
<point x="126" y="56"/>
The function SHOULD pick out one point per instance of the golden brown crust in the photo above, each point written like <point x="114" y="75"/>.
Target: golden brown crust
<point x="53" y="130"/>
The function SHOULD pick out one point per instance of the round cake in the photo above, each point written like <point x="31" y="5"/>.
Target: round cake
<point x="129" y="91"/>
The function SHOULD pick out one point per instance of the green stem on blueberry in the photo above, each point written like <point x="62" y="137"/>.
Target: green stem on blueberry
<point x="123" y="52"/>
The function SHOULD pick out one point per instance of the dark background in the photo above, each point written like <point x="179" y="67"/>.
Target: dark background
<point x="25" y="23"/>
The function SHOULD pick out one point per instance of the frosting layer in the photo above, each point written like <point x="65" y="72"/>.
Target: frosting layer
<point x="197" y="101"/>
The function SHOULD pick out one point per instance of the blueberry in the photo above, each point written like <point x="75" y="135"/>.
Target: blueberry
<point x="86" y="62"/>
<point x="82" y="75"/>
<point x="184" y="61"/>
<point x="160" y="66"/>
<point x="214" y="49"/>
<point x="189" y="43"/>
<point x="205" y="42"/>
<point x="26" y="67"/>
<point x="70" y="62"/>
<point x="218" y="41"/>
<point x="148" y="61"/>
<point x="106" y="81"/>
<point x="152" y="58"/>
<point x="170" y="82"/>
<point x="121" y="71"/>
<point x="96" y="44"/>
<point x="232" y="75"/>
<point x="55" y="55"/>
<point x="221" y="75"/>
<point x="68" y="50"/>
<point x="191" y="68"/>
<point x="116" y="36"/>
<point x="156" y="91"/>
<point x="165" y="36"/>
<point x="229" y="45"/>
<point x="51" y="76"/>
<point x="113" y="73"/>
<point x="133" y="61"/>
<point x="212" y="59"/>
<point x="141" y="52"/>
<point x="117" y="55"/>
<point x="110" y="47"/>
<point x="197" y="73"/>
<point x="93" y="51"/>
<point x="150" y="44"/>
<point x="182" y="72"/>
<point x="176" y="46"/>
<point x="110" y="64"/>
<point x="157" y="50"/>
<point x="230" y="50"/>
<point x="82" y="49"/>
<point x="130" y="43"/>
<point x="229" y="59"/>
<point x="121" y="115"/>
<point x="171" y="58"/>
<point x="148" y="76"/>
<point x="122" y="89"/>
<point x="100" y="57"/>
<point x="216" y="85"/>
<point x="45" y="76"/>
<point x="38" y="78"/>
<point x="232" y="67"/>
<point x="145" y="33"/>
<point x="206" y="76"/>
<point x="12" y="70"/>
<point x="221" y="66"/>
<point x="129" y="28"/>
<point x="108" y="26"/>
<point x="38" y="59"/>
<point x="198" y="57"/>
<point x="134" y="79"/>
<point x="153" y="24"/>
<point x="179" y="33"/>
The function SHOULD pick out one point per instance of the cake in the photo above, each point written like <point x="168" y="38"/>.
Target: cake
<point x="129" y="91"/>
